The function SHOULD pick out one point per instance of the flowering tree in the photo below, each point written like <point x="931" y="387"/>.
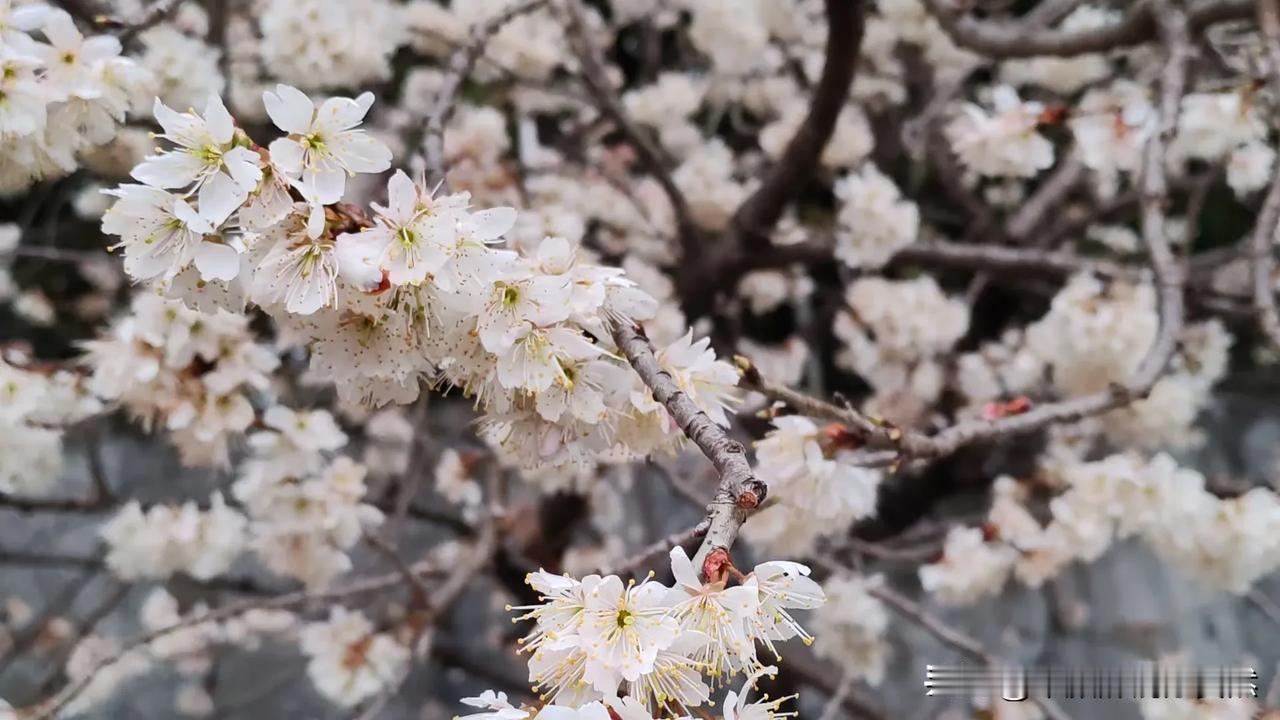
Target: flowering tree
<point x="489" y="297"/>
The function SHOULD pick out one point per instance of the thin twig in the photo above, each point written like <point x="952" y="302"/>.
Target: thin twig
<point x="461" y="63"/>
<point x="632" y="564"/>
<point x="49" y="707"/>
<point x="834" y="703"/>
<point x="383" y="548"/>
<point x="597" y="82"/>
<point x="60" y="505"/>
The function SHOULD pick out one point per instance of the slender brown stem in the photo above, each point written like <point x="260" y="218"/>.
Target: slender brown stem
<point x="739" y="491"/>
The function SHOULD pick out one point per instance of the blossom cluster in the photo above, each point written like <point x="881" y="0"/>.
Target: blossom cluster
<point x="419" y="293"/>
<point x="64" y="93"/>
<point x="183" y="643"/>
<point x="189" y="372"/>
<point x="895" y="334"/>
<point x="299" y="508"/>
<point x="821" y="489"/>
<point x="1228" y="543"/>
<point x="306" y="508"/>
<point x="667" y="647"/>
<point x="35" y="406"/>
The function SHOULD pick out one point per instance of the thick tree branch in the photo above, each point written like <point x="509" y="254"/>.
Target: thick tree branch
<point x="913" y="444"/>
<point x="755" y="218"/>
<point x="739" y="491"/>
<point x="711" y="266"/>
<point x="1004" y="40"/>
<point x="1264" y="232"/>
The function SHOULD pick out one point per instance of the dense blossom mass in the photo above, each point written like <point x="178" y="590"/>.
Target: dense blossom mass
<point x="589" y="309"/>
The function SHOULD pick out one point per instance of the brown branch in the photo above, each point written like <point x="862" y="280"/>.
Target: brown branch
<point x="1169" y="284"/>
<point x="477" y="559"/>
<point x="988" y="258"/>
<point x="386" y="550"/>
<point x="1155" y="197"/>
<point x="708" y="268"/>
<point x="956" y="639"/>
<point x="601" y="91"/>
<point x="1014" y="40"/>
<point x="1264" y="297"/>
<point x="1047" y="196"/>
<point x="632" y="565"/>
<point x="755" y="218"/>
<point x="815" y="673"/>
<point x="739" y="491"/>
<point x="461" y="63"/>
<point x="59" y="505"/>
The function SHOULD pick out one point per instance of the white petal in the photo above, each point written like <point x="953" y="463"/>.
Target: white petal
<point x="216" y="261"/>
<point x="360" y="152"/>
<point x="219" y="197"/>
<point x="402" y="196"/>
<point x="242" y="163"/>
<point x="338" y="113"/>
<point x="315" y="220"/>
<point x="168" y="170"/>
<point x="221" y="126"/>
<point x="287" y="155"/>
<point x="190" y="217"/>
<point x="289" y="108"/>
<point x="171" y="121"/>
<point x="61" y="31"/>
<point x="682" y="568"/>
<point x="358" y="255"/>
<point x="493" y="223"/>
<point x="307" y="296"/>
<point x="326" y="186"/>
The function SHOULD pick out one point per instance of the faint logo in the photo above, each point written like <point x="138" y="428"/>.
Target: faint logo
<point x="1136" y="682"/>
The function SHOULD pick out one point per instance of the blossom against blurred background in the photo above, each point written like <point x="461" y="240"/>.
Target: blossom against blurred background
<point x="633" y="358"/>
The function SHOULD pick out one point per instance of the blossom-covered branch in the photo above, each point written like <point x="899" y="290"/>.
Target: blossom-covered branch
<point x="739" y="491"/>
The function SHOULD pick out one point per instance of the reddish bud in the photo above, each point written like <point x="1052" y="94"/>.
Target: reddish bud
<point x="997" y="410"/>
<point x="716" y="565"/>
<point x="1053" y="115"/>
<point x="990" y="532"/>
<point x="837" y="437"/>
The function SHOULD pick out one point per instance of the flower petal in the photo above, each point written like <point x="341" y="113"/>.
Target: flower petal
<point x="217" y="261"/>
<point x="289" y="108"/>
<point x="221" y="126"/>
<point x="493" y="223"/>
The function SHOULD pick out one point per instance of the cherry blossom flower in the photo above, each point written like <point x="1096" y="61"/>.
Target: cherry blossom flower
<point x="718" y="613"/>
<point x="323" y="145"/>
<point x="624" y="628"/>
<point x="207" y="156"/>
<point x="1003" y="143"/>
<point x="348" y="660"/>
<point x="495" y="706"/>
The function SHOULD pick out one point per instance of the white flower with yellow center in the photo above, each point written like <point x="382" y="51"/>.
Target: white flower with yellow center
<point x="624" y="629"/>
